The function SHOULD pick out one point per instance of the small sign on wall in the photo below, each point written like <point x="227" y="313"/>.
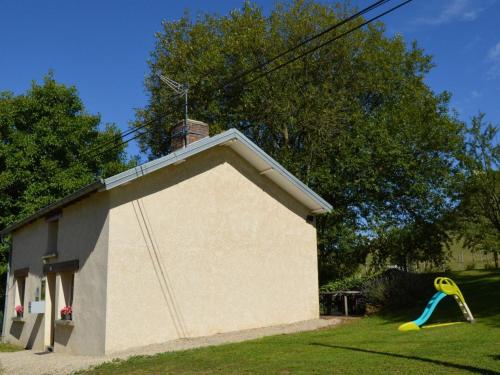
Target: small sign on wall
<point x="36" y="307"/>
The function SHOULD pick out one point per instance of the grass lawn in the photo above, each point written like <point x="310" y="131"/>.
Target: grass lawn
<point x="370" y="345"/>
<point x="9" y="348"/>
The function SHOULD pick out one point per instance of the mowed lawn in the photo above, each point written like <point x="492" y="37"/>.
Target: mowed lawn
<point x="370" y="345"/>
<point x="4" y="347"/>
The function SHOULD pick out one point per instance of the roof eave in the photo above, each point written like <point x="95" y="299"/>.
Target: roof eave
<point x="81" y="193"/>
<point x="227" y="138"/>
<point x="232" y="137"/>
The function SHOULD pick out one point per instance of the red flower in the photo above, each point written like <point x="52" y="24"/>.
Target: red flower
<point x="19" y="309"/>
<point x="67" y="310"/>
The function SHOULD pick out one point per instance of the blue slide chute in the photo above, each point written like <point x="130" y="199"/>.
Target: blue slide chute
<point x="433" y="302"/>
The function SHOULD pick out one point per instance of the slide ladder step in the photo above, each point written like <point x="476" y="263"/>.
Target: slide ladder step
<point x="464" y="308"/>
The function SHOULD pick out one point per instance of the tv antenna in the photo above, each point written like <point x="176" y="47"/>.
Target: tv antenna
<point x="179" y="89"/>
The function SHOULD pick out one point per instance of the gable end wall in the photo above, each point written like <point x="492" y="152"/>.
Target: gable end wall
<point x="205" y="247"/>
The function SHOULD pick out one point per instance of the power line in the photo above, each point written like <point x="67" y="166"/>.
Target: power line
<point x="321" y="45"/>
<point x="178" y="89"/>
<point x="327" y="42"/>
<point x="123" y="142"/>
<point x="117" y="137"/>
<point x="308" y="40"/>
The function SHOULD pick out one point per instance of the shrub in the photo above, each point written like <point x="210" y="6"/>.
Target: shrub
<point x="355" y="282"/>
<point x="397" y="288"/>
<point x="393" y="288"/>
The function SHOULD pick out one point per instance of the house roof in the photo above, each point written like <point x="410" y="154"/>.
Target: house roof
<point x="248" y="150"/>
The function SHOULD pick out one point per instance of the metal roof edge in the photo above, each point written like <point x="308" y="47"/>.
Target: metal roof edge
<point x="90" y="188"/>
<point x="278" y="167"/>
<point x="203" y="145"/>
<point x="174" y="157"/>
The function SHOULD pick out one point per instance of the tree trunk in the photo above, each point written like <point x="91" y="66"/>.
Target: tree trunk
<point x="286" y="137"/>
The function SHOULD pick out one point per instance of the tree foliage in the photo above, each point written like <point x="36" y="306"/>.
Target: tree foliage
<point x="478" y="215"/>
<point x="48" y="148"/>
<point x="421" y="242"/>
<point x="354" y="120"/>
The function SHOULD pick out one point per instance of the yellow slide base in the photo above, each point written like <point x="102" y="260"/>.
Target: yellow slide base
<point x="442" y="324"/>
<point x="410" y="326"/>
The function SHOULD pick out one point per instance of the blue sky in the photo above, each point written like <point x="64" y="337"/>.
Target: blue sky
<point x="101" y="47"/>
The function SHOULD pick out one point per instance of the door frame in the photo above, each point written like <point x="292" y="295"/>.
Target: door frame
<point x="50" y="310"/>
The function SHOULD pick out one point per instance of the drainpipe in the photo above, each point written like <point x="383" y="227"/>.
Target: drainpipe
<point x="6" y="301"/>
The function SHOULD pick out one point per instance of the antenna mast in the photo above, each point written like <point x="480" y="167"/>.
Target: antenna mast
<point x="179" y="89"/>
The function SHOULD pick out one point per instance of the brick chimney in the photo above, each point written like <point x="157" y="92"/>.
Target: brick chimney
<point x="185" y="134"/>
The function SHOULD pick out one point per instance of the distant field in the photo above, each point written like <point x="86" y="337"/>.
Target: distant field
<point x="370" y="345"/>
<point x="462" y="259"/>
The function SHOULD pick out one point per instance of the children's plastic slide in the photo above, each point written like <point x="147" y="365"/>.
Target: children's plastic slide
<point x="445" y="287"/>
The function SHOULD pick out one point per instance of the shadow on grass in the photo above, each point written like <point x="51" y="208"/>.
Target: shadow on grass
<point x="477" y="370"/>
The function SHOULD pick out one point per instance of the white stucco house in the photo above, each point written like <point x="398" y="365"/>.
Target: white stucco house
<point x="213" y="237"/>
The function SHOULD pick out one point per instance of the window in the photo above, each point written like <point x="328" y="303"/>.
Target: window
<point x="66" y="287"/>
<point x="20" y="287"/>
<point x="42" y="291"/>
<point x="53" y="229"/>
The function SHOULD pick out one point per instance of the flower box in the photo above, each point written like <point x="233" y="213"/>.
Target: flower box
<point x="64" y="323"/>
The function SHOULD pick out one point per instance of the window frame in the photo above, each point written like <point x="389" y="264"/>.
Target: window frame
<point x="19" y="282"/>
<point x="66" y="286"/>
<point x="20" y="292"/>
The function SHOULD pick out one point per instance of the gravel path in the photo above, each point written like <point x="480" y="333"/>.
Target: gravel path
<point x="31" y="362"/>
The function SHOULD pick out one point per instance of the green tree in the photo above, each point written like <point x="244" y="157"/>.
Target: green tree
<point x="46" y="139"/>
<point x="479" y="210"/>
<point x="411" y="245"/>
<point x="354" y="120"/>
